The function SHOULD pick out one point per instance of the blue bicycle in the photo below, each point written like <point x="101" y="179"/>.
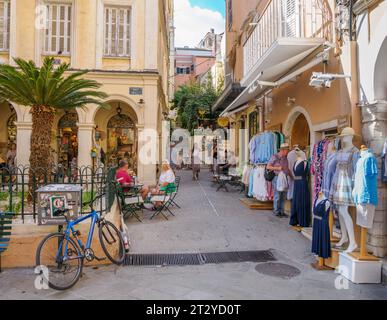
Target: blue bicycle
<point x="62" y="257"/>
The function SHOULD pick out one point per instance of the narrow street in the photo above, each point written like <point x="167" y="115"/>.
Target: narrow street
<point x="208" y="221"/>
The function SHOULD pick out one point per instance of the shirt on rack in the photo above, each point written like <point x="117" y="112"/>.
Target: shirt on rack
<point x="262" y="147"/>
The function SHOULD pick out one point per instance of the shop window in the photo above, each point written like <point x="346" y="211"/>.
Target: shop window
<point x="117" y="31"/>
<point x="67" y="139"/>
<point x="11" y="129"/>
<point x="253" y="124"/>
<point x="4" y="25"/>
<point x="58" y="32"/>
<point x="122" y="140"/>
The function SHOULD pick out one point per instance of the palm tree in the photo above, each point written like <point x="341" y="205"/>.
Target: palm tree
<point x="46" y="90"/>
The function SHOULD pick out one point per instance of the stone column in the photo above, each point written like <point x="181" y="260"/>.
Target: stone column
<point x="85" y="143"/>
<point x="374" y="120"/>
<point x="23" y="142"/>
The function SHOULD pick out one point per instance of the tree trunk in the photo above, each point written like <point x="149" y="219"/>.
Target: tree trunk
<point x="42" y="122"/>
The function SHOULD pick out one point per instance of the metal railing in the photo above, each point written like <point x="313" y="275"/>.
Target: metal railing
<point x="15" y="186"/>
<point x="286" y="19"/>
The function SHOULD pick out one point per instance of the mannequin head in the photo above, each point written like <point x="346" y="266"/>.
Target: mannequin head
<point x="347" y="137"/>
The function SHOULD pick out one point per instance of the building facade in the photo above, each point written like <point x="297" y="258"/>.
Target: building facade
<point x="273" y="47"/>
<point x="127" y="47"/>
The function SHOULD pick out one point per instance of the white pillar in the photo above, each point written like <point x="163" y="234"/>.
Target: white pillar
<point x="23" y="142"/>
<point x="85" y="143"/>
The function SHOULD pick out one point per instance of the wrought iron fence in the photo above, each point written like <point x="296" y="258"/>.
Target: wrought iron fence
<point x="16" y="183"/>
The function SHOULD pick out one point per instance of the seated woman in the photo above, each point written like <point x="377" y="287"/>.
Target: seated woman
<point x="126" y="180"/>
<point x="166" y="180"/>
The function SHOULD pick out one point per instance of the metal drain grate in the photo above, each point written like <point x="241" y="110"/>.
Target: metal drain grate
<point x="190" y="259"/>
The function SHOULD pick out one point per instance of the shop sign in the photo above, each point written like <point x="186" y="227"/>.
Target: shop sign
<point x="343" y="122"/>
<point x="223" y="122"/>
<point x="135" y="91"/>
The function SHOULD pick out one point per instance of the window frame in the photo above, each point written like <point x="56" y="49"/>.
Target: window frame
<point x="6" y="18"/>
<point x="127" y="30"/>
<point x="67" y="29"/>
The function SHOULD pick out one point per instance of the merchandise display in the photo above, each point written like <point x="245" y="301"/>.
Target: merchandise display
<point x="292" y="158"/>
<point x="321" y="242"/>
<point x="300" y="212"/>
<point x="263" y="146"/>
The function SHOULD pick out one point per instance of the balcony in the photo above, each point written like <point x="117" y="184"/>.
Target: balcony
<point x="286" y="29"/>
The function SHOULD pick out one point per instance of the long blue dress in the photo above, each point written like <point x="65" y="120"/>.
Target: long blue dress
<point x="321" y="242"/>
<point x="300" y="213"/>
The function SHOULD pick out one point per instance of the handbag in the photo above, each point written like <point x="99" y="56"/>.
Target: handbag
<point x="269" y="175"/>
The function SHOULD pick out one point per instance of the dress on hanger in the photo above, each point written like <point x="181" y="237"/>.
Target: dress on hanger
<point x="321" y="241"/>
<point x="300" y="213"/>
<point x="342" y="182"/>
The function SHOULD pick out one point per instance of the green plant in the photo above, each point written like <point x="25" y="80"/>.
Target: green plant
<point x="4" y="196"/>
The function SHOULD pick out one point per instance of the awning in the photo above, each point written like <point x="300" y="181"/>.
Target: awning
<point x="232" y="91"/>
<point x="283" y="56"/>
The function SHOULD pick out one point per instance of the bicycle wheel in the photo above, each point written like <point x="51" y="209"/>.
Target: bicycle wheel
<point x="112" y="242"/>
<point x="59" y="273"/>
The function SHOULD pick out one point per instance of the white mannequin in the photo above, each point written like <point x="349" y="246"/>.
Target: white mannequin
<point x="346" y="223"/>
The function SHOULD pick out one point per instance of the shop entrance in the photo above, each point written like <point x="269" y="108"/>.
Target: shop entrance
<point x="68" y="140"/>
<point x="300" y="134"/>
<point x="122" y="139"/>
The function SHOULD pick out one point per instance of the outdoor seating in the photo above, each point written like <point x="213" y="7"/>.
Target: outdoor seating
<point x="5" y="231"/>
<point x="129" y="203"/>
<point x="163" y="202"/>
<point x="174" y="194"/>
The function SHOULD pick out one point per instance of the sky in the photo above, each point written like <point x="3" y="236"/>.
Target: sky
<point x="194" y="18"/>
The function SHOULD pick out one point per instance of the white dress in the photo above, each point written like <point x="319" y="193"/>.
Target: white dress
<point x="260" y="187"/>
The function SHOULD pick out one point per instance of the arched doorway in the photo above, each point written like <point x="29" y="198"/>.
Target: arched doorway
<point x="67" y="139"/>
<point x="122" y="140"/>
<point x="300" y="133"/>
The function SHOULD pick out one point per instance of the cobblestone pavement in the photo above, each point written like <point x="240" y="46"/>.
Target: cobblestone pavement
<point x="208" y="221"/>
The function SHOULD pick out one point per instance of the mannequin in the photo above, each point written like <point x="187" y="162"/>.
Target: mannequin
<point x="321" y="245"/>
<point x="340" y="193"/>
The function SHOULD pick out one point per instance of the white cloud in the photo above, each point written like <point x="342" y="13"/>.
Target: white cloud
<point x="192" y="23"/>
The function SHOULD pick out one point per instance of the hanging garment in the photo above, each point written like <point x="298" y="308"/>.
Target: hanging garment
<point x="365" y="215"/>
<point x="342" y="182"/>
<point x="292" y="159"/>
<point x="251" y="183"/>
<point x="321" y="242"/>
<point x="282" y="182"/>
<point x="262" y="147"/>
<point x="317" y="167"/>
<point x="329" y="171"/>
<point x="365" y="189"/>
<point x="300" y="213"/>
<point x="260" y="187"/>
<point x="384" y="162"/>
<point x="246" y="175"/>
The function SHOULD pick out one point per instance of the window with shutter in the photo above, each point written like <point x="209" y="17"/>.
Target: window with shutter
<point x="58" y="32"/>
<point x="291" y="18"/>
<point x="4" y="25"/>
<point x="117" y="31"/>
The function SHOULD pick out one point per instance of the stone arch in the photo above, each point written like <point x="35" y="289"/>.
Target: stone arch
<point x="291" y="119"/>
<point x="89" y="117"/>
<point x="380" y="77"/>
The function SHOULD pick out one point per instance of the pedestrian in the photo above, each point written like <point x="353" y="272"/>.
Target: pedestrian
<point x="279" y="164"/>
<point x="195" y="160"/>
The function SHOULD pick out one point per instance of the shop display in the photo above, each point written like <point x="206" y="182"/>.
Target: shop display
<point x="321" y="242"/>
<point x="300" y="212"/>
<point x="68" y="139"/>
<point x="365" y="193"/>
<point x="259" y="188"/>
<point x="292" y="158"/>
<point x="342" y="185"/>
<point x="263" y="146"/>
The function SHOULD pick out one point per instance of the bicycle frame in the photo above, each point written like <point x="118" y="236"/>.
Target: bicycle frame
<point x="94" y="216"/>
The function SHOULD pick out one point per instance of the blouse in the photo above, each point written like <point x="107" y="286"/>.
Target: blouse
<point x="167" y="177"/>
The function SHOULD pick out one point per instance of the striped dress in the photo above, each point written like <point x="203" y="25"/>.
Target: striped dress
<point x="342" y="183"/>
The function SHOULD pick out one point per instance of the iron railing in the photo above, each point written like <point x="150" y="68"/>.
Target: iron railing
<point x="15" y="184"/>
<point x="286" y="19"/>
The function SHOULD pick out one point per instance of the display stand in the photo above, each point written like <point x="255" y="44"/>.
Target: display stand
<point x="331" y="226"/>
<point x="363" y="255"/>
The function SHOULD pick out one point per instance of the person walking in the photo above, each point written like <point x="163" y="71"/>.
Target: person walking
<point x="279" y="164"/>
<point x="195" y="160"/>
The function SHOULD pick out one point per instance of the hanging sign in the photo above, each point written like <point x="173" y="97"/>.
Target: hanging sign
<point x="223" y="122"/>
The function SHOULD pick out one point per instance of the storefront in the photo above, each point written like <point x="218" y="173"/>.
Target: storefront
<point x="67" y="140"/>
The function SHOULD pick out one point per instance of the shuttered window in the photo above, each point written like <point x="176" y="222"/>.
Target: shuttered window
<point x="117" y="32"/>
<point x="4" y="25"/>
<point x="58" y="32"/>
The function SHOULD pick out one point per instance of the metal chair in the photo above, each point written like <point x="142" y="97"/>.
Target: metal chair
<point x="129" y="203"/>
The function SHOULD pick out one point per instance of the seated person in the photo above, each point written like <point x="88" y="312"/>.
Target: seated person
<point x="166" y="180"/>
<point x="126" y="180"/>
